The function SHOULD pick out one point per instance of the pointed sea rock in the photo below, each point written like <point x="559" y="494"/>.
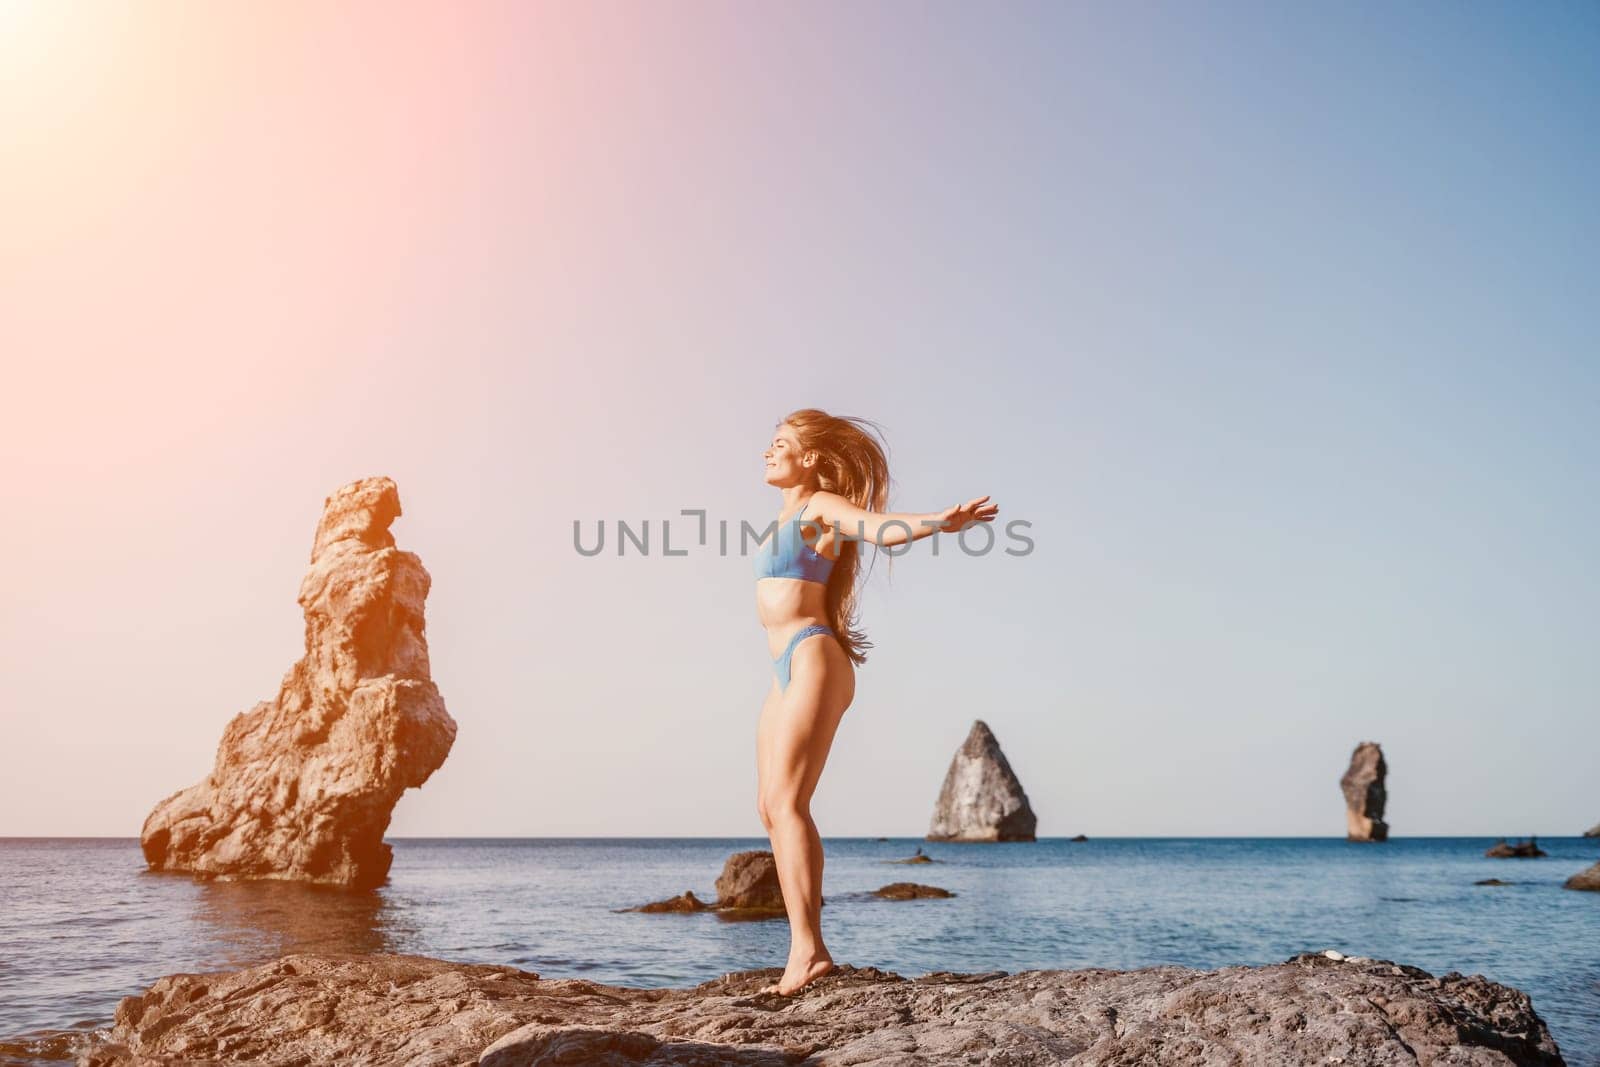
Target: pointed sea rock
<point x="981" y="799"/>
<point x="304" y="784"/>
<point x="1364" y="794"/>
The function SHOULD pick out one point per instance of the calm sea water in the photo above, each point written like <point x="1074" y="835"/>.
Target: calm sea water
<point x="82" y="923"/>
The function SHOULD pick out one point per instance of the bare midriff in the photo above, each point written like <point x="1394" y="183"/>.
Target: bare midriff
<point x="787" y="605"/>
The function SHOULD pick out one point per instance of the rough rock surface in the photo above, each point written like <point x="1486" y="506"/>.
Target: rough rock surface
<point x="981" y="799"/>
<point x="1589" y="879"/>
<point x="392" y="1009"/>
<point x="1364" y="794"/>
<point x="1519" y="850"/>
<point x="304" y="784"/>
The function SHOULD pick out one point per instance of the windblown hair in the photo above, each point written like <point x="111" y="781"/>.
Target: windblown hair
<point x="853" y="461"/>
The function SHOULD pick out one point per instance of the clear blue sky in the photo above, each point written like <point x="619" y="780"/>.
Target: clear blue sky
<point x="1276" y="322"/>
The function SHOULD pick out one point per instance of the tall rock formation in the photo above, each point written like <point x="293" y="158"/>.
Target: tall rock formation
<point x="1364" y="794"/>
<point x="981" y="799"/>
<point x="304" y="784"/>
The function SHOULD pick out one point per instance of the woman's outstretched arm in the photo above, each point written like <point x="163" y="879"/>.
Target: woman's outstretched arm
<point x="889" y="528"/>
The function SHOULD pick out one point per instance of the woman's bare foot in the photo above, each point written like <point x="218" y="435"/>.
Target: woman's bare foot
<point x="799" y="974"/>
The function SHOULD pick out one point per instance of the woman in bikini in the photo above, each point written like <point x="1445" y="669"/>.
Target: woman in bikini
<point x="834" y="475"/>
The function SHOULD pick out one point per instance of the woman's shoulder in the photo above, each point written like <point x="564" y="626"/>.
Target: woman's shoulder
<point x="824" y="503"/>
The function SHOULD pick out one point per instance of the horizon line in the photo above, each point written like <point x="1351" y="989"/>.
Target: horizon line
<point x="851" y="837"/>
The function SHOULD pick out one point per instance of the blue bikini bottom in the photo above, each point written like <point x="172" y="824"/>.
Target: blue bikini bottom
<point x="781" y="664"/>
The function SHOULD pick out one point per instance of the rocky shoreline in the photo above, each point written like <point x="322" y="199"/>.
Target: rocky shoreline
<point x="401" y="1009"/>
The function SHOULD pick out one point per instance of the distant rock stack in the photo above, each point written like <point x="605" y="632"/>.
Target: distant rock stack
<point x="981" y="799"/>
<point x="304" y="785"/>
<point x="1593" y="831"/>
<point x="1364" y="794"/>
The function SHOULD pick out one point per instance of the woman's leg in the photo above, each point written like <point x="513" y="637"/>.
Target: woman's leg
<point x="766" y="727"/>
<point x="821" y="687"/>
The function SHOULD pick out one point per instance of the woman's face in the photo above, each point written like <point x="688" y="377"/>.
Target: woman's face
<point x="783" y="458"/>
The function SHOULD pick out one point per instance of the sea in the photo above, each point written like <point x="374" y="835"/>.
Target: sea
<point x="83" y="923"/>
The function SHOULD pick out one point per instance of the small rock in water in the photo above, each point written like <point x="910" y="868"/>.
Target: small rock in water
<point x="1589" y="879"/>
<point x="910" y="891"/>
<point x="747" y="888"/>
<point x="749" y="880"/>
<point x="1519" y="850"/>
<point x="684" y="903"/>
<point x="919" y="857"/>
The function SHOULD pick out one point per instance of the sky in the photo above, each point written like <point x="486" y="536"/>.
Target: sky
<point x="1275" y="323"/>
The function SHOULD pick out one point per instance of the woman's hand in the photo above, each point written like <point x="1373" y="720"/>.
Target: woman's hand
<point x="889" y="529"/>
<point x="955" y="519"/>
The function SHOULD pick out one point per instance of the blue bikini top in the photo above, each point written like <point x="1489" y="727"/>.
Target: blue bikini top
<point x="787" y="555"/>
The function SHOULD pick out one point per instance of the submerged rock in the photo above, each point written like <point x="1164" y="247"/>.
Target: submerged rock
<point x="1365" y="794"/>
<point x="1520" y="850"/>
<point x="304" y="784"/>
<point x="684" y="902"/>
<point x="383" y="1010"/>
<point x="918" y="857"/>
<point x="910" y="891"/>
<point x="1589" y="879"/>
<point x="981" y="799"/>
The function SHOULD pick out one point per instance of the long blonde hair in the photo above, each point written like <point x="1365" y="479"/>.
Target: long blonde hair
<point x="853" y="461"/>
